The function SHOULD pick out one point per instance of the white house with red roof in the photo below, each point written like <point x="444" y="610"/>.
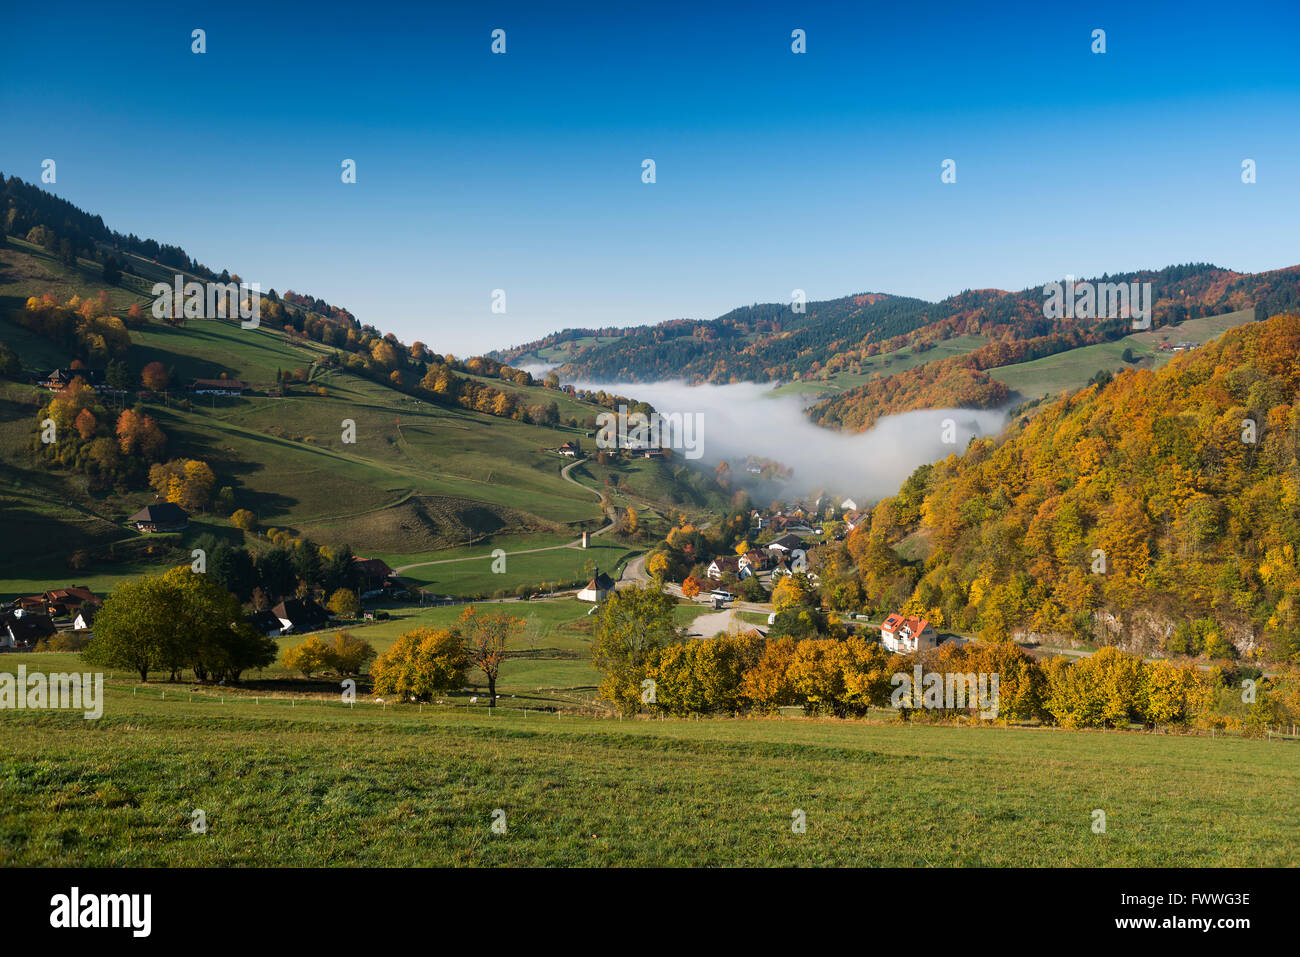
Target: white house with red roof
<point x="907" y="635"/>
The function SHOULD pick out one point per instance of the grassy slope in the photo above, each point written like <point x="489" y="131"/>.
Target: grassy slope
<point x="318" y="784"/>
<point x="408" y="488"/>
<point x="558" y="354"/>
<point x="1072" y="370"/>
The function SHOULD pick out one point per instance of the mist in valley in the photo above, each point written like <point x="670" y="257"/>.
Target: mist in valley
<point x="741" y="420"/>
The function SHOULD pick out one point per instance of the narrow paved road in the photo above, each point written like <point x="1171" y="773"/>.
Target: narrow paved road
<point x="610" y="514"/>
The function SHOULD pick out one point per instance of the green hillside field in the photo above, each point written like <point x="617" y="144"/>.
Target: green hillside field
<point x="1072" y="369"/>
<point x="294" y="781"/>
<point x="420" y="479"/>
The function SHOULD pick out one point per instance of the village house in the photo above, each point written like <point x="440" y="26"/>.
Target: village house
<point x="598" y="589"/>
<point x="374" y="573"/>
<point x="570" y="450"/>
<point x="265" y="623"/>
<point x="60" y="379"/>
<point x="21" y="629"/>
<point x="855" y="518"/>
<point x="784" y="545"/>
<point x="161" y="517"/>
<point x="751" y="563"/>
<point x="85" y="619"/>
<point x="790" y="523"/>
<point x="297" y="615"/>
<point x="60" y="602"/>
<point x="219" y="387"/>
<point x="727" y="564"/>
<point x="907" y="635"/>
<point x="848" y="505"/>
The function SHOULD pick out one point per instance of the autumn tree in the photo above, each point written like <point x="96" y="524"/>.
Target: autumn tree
<point x="629" y="626"/>
<point x="309" y="657"/>
<point x="138" y="435"/>
<point x="487" y="636"/>
<point x="421" y="664"/>
<point x="188" y="483"/>
<point x="344" y="603"/>
<point x="86" y="423"/>
<point x="349" y="654"/>
<point x="155" y="377"/>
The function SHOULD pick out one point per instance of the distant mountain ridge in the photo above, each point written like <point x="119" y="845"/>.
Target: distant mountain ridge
<point x="771" y="341"/>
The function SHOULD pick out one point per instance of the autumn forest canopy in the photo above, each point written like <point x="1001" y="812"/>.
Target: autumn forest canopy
<point x="1156" y="502"/>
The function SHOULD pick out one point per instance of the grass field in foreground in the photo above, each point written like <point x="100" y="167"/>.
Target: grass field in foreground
<point x="318" y="784"/>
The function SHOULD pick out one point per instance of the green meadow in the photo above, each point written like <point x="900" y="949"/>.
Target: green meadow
<point x="296" y="781"/>
<point x="1072" y="369"/>
<point x="421" y="482"/>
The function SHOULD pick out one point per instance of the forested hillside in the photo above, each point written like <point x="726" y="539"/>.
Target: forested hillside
<point x="1158" y="509"/>
<point x="772" y="341"/>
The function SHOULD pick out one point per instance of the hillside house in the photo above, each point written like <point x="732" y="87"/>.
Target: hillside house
<point x="727" y="564"/>
<point x="162" y="517"/>
<point x="265" y="623"/>
<point x="85" y="619"/>
<point x="60" y="602"/>
<point x="570" y="450"/>
<point x="908" y="635"/>
<point x="784" y="545"/>
<point x="598" y="589"/>
<point x="855" y="518"/>
<point x="60" y="379"/>
<point x="219" y="387"/>
<point x="21" y="629"/>
<point x="374" y="574"/>
<point x="297" y="615"/>
<point x="750" y="563"/>
<point x="848" y="505"/>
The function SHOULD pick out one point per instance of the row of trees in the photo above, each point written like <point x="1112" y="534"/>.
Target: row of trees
<point x="648" y="667"/>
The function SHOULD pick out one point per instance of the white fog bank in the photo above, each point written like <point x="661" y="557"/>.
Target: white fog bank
<point x="739" y="421"/>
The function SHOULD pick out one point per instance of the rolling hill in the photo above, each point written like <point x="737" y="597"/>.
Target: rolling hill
<point x="853" y="336"/>
<point x="1154" y="509"/>
<point x="427" y="473"/>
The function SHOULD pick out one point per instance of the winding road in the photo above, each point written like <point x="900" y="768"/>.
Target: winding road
<point x="610" y="514"/>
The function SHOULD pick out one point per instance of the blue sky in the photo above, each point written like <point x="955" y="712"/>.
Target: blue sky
<point x="775" y="171"/>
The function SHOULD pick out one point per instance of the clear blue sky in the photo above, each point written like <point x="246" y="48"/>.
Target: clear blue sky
<point x="775" y="171"/>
